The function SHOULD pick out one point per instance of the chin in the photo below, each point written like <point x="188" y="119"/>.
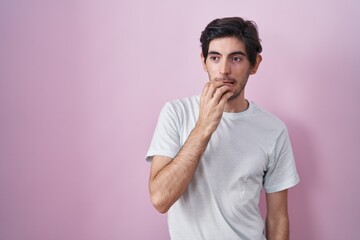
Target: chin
<point x="233" y="97"/>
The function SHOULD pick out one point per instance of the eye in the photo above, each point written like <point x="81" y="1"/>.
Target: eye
<point x="236" y="59"/>
<point x="214" y="58"/>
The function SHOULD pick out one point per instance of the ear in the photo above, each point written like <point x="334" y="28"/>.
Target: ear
<point x="203" y="62"/>
<point x="257" y="63"/>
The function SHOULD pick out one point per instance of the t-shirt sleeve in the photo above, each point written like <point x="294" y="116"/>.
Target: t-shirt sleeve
<point x="281" y="173"/>
<point x="166" y="138"/>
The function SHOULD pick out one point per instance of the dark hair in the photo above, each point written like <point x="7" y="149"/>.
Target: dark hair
<point x="244" y="30"/>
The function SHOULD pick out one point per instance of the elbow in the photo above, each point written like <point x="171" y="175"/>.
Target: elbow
<point x="161" y="209"/>
<point x="159" y="203"/>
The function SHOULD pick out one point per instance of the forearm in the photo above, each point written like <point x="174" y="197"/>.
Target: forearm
<point x="171" y="182"/>
<point x="277" y="228"/>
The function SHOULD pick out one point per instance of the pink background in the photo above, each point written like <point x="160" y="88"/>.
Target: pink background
<point x="82" y="84"/>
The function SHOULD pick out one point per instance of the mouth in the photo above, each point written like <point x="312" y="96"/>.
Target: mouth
<point x="227" y="81"/>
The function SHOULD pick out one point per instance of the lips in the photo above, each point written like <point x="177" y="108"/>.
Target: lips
<point x="227" y="81"/>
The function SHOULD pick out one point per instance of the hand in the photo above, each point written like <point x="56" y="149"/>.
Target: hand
<point x="212" y="103"/>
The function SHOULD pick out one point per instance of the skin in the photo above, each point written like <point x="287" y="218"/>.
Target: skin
<point x="228" y="68"/>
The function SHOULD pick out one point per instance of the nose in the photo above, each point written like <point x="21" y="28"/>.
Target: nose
<point x="225" y="67"/>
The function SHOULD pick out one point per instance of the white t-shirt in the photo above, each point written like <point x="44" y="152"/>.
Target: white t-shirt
<point x="248" y="151"/>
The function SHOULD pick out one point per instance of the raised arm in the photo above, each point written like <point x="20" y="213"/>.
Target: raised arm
<point x="169" y="178"/>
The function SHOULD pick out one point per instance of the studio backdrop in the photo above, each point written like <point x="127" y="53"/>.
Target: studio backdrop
<point x="82" y="84"/>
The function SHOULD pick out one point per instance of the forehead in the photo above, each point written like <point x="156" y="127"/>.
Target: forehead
<point x="226" y="45"/>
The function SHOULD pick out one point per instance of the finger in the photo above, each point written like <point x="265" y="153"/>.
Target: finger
<point x="213" y="86"/>
<point x="220" y="92"/>
<point x="204" y="91"/>
<point x="224" y="98"/>
<point x="206" y="88"/>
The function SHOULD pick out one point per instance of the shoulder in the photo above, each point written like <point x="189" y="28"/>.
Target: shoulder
<point x="267" y="119"/>
<point x="179" y="109"/>
<point x="184" y="102"/>
<point x="183" y="105"/>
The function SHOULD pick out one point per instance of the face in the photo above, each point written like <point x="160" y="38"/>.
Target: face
<point x="227" y="62"/>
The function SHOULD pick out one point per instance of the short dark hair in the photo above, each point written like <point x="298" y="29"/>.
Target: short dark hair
<point x="244" y="30"/>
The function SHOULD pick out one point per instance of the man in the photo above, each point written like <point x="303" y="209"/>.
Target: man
<point x="212" y="154"/>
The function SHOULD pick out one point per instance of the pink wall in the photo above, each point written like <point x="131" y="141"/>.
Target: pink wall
<point x="82" y="83"/>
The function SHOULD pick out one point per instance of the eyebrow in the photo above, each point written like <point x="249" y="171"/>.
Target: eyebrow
<point x="231" y="54"/>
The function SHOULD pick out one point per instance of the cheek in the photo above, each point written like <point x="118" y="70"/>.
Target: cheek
<point x="211" y="70"/>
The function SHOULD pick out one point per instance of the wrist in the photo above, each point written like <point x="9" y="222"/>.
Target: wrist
<point x="202" y="132"/>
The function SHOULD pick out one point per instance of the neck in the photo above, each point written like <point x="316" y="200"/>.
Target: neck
<point x="239" y="104"/>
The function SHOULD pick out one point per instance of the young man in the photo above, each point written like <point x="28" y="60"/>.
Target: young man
<point x="212" y="154"/>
